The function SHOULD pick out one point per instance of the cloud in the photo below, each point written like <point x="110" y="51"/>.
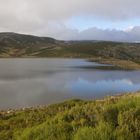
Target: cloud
<point x="113" y="35"/>
<point x="47" y="17"/>
<point x="54" y="9"/>
<point x="131" y="35"/>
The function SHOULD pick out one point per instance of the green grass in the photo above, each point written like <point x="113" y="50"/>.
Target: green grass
<point x="109" y="119"/>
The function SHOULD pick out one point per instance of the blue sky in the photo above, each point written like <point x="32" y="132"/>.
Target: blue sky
<point x="83" y="23"/>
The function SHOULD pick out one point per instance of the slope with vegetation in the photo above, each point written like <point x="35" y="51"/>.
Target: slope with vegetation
<point x="113" y="118"/>
<point x="19" y="45"/>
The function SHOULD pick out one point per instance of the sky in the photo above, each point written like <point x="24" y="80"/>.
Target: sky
<point x="114" y="20"/>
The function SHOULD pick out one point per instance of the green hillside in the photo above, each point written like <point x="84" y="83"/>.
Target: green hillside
<point x="122" y="55"/>
<point x="19" y="45"/>
<point x="113" y="118"/>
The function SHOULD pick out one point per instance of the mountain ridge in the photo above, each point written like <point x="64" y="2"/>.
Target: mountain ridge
<point x="20" y="45"/>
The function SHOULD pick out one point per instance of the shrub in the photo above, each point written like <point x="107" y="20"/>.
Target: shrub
<point x="102" y="132"/>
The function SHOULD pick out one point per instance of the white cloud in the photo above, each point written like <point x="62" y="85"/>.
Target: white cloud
<point x="128" y="29"/>
<point x="60" y="9"/>
<point x="47" y="17"/>
<point x="98" y="34"/>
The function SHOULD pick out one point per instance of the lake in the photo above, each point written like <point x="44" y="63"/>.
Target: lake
<point x="32" y="82"/>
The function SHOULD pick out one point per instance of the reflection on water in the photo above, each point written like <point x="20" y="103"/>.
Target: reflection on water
<point x="29" y="82"/>
<point x="102" y="87"/>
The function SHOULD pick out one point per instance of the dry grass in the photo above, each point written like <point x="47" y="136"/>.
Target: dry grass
<point x="124" y="64"/>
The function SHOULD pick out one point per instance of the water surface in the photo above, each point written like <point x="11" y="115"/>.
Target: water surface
<point x="31" y="82"/>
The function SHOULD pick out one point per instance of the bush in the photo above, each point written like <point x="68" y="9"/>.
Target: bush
<point x="110" y="115"/>
<point x="49" y="131"/>
<point x="102" y="132"/>
<point x="108" y="119"/>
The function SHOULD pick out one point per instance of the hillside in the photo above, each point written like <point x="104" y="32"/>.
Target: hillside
<point x="13" y="45"/>
<point x="19" y="45"/>
<point x="112" y="118"/>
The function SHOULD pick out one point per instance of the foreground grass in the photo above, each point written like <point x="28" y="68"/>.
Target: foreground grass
<point x="113" y="118"/>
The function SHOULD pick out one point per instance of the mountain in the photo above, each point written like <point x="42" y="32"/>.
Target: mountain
<point x="20" y="45"/>
<point x="14" y="39"/>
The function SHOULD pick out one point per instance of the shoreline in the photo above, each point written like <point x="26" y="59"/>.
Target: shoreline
<point x="122" y="64"/>
<point x="69" y="117"/>
<point x="110" y="97"/>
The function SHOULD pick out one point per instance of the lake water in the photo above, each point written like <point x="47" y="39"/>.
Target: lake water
<point x="31" y="82"/>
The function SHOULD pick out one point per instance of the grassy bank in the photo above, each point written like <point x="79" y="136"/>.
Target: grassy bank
<point x="122" y="64"/>
<point x="112" y="118"/>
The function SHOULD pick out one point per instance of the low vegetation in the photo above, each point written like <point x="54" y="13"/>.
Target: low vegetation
<point x="117" y="63"/>
<point x="112" y="118"/>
